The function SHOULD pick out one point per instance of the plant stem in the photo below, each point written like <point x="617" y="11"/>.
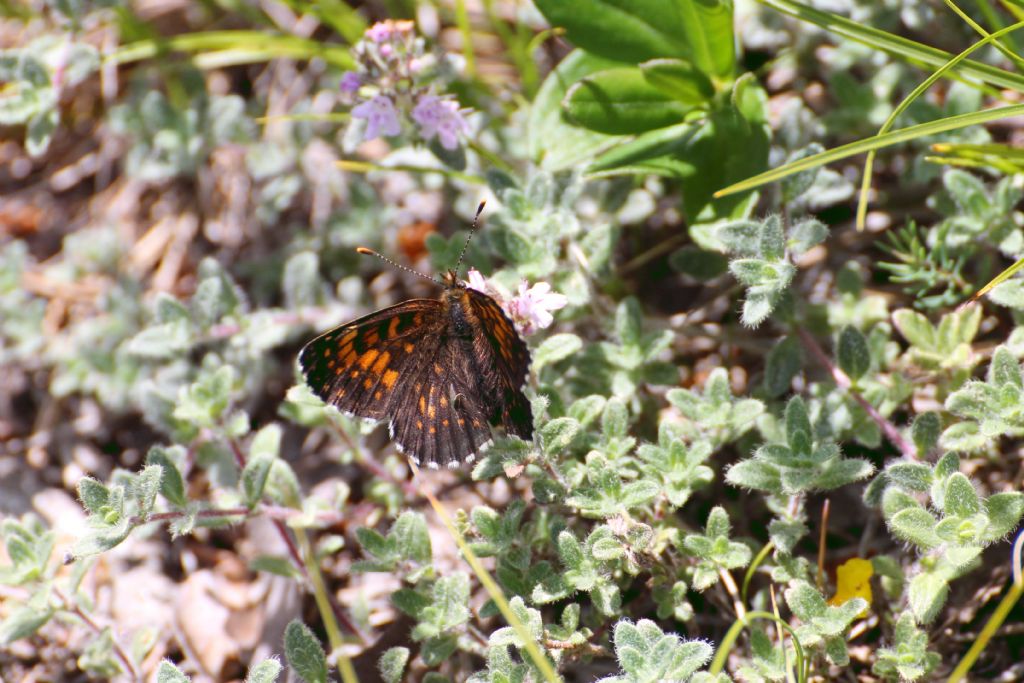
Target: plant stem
<point x="323" y="604"/>
<point x="843" y="381"/>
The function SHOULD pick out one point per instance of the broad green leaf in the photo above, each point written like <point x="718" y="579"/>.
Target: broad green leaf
<point x="678" y="79"/>
<point x="555" y="143"/>
<point x="621" y="101"/>
<point x="633" y="31"/>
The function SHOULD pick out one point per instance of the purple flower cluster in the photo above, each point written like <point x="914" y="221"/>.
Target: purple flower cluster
<point x="393" y="81"/>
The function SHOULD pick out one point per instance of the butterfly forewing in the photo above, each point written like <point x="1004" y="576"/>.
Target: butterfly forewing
<point x="511" y="359"/>
<point x="359" y="367"/>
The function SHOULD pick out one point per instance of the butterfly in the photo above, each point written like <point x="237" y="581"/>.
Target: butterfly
<point x="440" y="371"/>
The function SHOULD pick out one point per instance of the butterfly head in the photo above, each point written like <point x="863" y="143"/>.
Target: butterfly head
<point x="451" y="280"/>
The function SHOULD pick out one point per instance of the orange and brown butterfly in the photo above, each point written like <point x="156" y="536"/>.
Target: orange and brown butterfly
<point x="441" y="371"/>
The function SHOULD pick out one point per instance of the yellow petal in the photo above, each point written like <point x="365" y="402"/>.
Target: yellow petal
<point x="853" y="580"/>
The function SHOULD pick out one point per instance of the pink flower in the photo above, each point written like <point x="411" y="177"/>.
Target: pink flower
<point x="386" y="30"/>
<point x="350" y="82"/>
<point x="380" y="31"/>
<point x="441" y="118"/>
<point x="531" y="308"/>
<point x="381" y="117"/>
<point x="478" y="282"/>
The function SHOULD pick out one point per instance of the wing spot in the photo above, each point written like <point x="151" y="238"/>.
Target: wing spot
<point x="438" y="369"/>
<point x="331" y="363"/>
<point x="348" y="338"/>
<point x="461" y="422"/>
<point x="382" y="363"/>
<point x="444" y="402"/>
<point x="327" y="351"/>
<point x="355" y="373"/>
<point x="377" y="395"/>
<point x="389" y="379"/>
<point x="368" y="383"/>
<point x="423" y="404"/>
<point x="419" y="424"/>
<point x="409" y="347"/>
<point x="366" y="360"/>
<point x="433" y="430"/>
<point x="392" y="326"/>
<point x="444" y="422"/>
<point x="431" y="412"/>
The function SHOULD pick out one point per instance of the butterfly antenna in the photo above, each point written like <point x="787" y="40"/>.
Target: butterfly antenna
<point x="371" y="252"/>
<point x="472" y="231"/>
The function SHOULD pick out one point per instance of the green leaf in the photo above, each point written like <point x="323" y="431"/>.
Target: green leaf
<point x="254" y="478"/>
<point x="620" y="101"/>
<point x="22" y="622"/>
<point x="925" y="432"/>
<point x="555" y="348"/>
<point x="392" y="664"/>
<point x="145" y="487"/>
<point x="266" y="671"/>
<point x="679" y="79"/>
<point x="912" y="476"/>
<point x="558" y="433"/>
<point x="781" y="366"/>
<point x="267" y="441"/>
<point x="853" y="352"/>
<point x="926" y="594"/>
<point x="436" y="650"/>
<point x="961" y="499"/>
<point x="917" y="526"/>
<point x="412" y="538"/>
<point x="172" y="484"/>
<point x="272" y="564"/>
<point x="553" y="142"/>
<point x="40" y="130"/>
<point x="1004" y="511"/>
<point x="93" y="494"/>
<point x="301" y="280"/>
<point x="756" y="475"/>
<point x="304" y="653"/>
<point x="699" y="31"/>
<point x="1004" y="370"/>
<point x="167" y="672"/>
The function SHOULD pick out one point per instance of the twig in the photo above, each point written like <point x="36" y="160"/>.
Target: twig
<point x="843" y="381"/>
<point x="821" y="543"/>
<point x="118" y="650"/>
<point x="734" y="593"/>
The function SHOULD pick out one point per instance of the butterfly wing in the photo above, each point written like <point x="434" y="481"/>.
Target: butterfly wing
<point x="511" y="359"/>
<point x="359" y="367"/>
<point x="439" y="420"/>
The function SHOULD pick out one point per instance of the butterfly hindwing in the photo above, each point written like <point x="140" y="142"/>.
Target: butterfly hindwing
<point x="438" y="420"/>
<point x="359" y="367"/>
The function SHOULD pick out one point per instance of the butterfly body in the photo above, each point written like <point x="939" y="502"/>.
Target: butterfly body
<point x="441" y="371"/>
